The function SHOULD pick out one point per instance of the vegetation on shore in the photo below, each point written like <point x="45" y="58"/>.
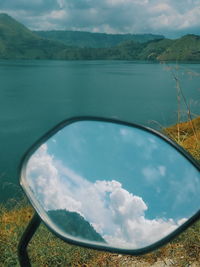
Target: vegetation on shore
<point x="183" y="251"/>
<point x="18" y="42"/>
<point x="187" y="134"/>
<point x="96" y="40"/>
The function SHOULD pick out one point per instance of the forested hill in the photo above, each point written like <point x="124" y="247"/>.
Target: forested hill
<point x="95" y="40"/>
<point x="185" y="48"/>
<point x="18" y="42"/>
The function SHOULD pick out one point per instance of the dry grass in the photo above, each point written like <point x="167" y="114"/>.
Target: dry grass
<point x="12" y="225"/>
<point x="189" y="136"/>
<point x="47" y="250"/>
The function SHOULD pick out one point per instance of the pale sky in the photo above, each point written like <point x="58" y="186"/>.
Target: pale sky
<point x="168" y="17"/>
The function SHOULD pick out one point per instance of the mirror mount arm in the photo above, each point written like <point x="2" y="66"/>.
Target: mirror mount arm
<point x="25" y="239"/>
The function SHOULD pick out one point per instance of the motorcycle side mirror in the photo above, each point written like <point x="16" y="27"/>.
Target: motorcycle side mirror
<point x="111" y="185"/>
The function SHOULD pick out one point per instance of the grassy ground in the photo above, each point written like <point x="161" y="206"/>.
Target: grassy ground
<point x="47" y="250"/>
<point x="187" y="134"/>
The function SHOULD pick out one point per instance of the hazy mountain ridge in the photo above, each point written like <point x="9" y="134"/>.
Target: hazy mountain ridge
<point x="18" y="42"/>
<point x="95" y="40"/>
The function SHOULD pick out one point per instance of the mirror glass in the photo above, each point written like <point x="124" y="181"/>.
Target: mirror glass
<point x="112" y="184"/>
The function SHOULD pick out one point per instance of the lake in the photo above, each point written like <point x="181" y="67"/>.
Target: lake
<point x="36" y="95"/>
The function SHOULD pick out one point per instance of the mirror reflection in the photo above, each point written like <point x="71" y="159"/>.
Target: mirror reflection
<point x="113" y="184"/>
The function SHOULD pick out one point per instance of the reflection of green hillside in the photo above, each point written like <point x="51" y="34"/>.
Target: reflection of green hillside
<point x="75" y="225"/>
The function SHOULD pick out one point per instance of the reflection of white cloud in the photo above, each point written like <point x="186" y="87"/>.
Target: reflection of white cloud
<point x="131" y="136"/>
<point x="162" y="170"/>
<point x="45" y="182"/>
<point x="151" y="173"/>
<point x="119" y="216"/>
<point x="149" y="145"/>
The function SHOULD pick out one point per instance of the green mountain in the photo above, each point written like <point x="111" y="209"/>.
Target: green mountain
<point x="95" y="40"/>
<point x="185" y="48"/>
<point x="16" y="41"/>
<point x="74" y="224"/>
<point x="152" y="50"/>
<point x="129" y="50"/>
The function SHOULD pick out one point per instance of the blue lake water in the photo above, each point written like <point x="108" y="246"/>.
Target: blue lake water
<point x="36" y="95"/>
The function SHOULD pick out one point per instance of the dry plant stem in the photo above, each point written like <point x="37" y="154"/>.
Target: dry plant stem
<point x="189" y="113"/>
<point x="179" y="104"/>
<point x="179" y="95"/>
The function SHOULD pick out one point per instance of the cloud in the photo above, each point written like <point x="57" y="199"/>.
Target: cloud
<point x="115" y="213"/>
<point x="153" y="173"/>
<point x="161" y="7"/>
<point x="149" y="144"/>
<point x="112" y="16"/>
<point x="30" y="7"/>
<point x="188" y="189"/>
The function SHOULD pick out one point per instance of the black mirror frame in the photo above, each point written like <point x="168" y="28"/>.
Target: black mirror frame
<point x="134" y="252"/>
<point x="26" y="238"/>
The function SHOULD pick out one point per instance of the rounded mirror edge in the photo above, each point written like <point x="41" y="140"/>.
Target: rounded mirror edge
<point x="97" y="246"/>
<point x="133" y="252"/>
<point x="69" y="121"/>
<point x="93" y="245"/>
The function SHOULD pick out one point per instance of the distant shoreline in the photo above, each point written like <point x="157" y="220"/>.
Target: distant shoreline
<point x="139" y="61"/>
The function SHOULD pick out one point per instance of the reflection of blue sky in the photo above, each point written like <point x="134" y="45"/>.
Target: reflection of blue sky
<point x="115" y="213"/>
<point x="133" y="187"/>
<point x="144" y="164"/>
